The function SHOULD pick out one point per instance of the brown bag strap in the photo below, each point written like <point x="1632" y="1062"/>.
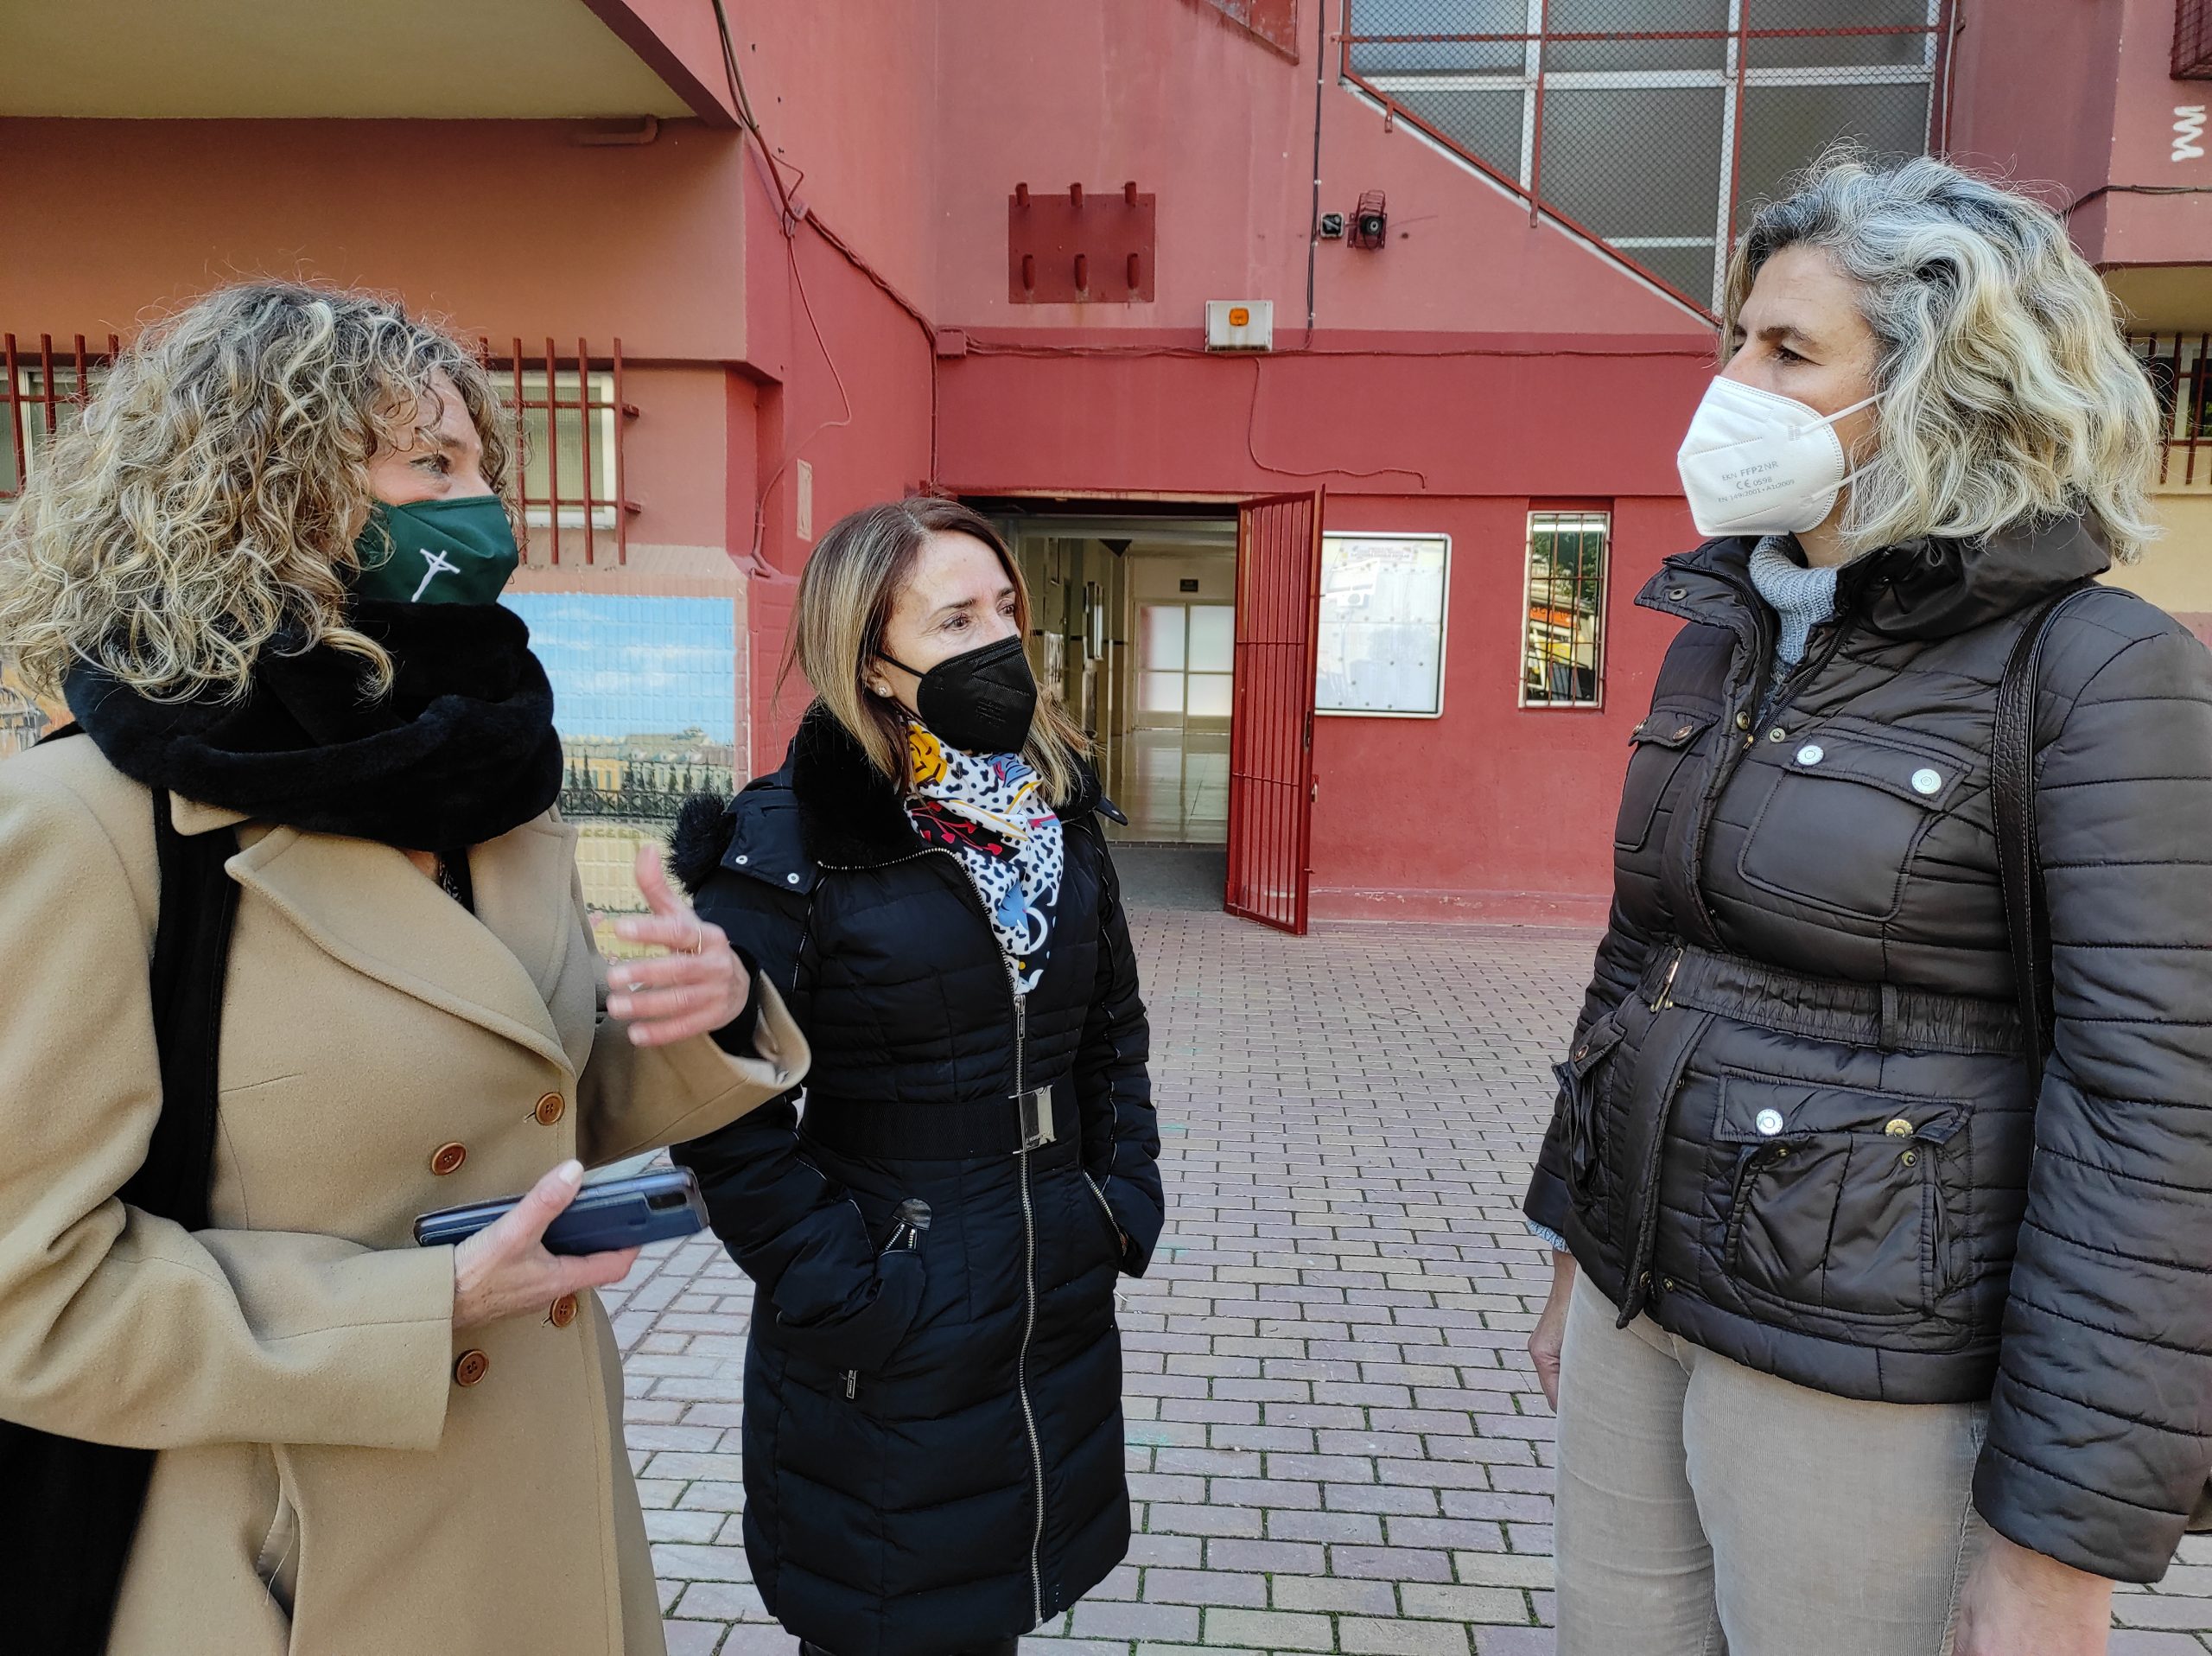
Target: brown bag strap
<point x="2013" y="795"/>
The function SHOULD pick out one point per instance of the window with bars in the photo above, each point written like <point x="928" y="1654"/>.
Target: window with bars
<point x="2180" y="370"/>
<point x="1563" y="610"/>
<point x="567" y="425"/>
<point x="1655" y="125"/>
<point x="46" y="387"/>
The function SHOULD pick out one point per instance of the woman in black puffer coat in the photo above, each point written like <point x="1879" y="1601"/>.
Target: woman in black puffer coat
<point x="932" y="1439"/>
<point x="1866" y="1339"/>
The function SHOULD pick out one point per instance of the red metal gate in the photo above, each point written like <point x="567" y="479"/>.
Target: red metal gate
<point x="1271" y="739"/>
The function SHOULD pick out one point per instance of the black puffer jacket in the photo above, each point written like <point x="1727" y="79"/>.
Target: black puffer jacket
<point x="1795" y="1126"/>
<point x="932" y="1440"/>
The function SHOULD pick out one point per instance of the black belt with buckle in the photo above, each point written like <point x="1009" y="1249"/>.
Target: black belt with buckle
<point x="944" y="1132"/>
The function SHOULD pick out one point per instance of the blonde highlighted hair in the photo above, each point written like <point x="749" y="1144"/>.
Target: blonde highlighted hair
<point x="845" y="599"/>
<point x="206" y="504"/>
<point x="2008" y="390"/>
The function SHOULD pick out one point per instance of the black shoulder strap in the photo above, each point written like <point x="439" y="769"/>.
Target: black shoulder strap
<point x="192" y="952"/>
<point x="69" y="1509"/>
<point x="2012" y="794"/>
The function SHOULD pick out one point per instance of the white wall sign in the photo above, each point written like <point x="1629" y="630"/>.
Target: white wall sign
<point x="1383" y="624"/>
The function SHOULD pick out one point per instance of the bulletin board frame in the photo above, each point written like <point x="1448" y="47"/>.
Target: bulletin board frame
<point x="1332" y="545"/>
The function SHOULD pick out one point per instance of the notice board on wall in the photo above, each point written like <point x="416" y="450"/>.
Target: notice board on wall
<point x="1380" y="649"/>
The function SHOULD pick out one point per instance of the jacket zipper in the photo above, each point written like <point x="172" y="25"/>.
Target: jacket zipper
<point x="1029" y="1262"/>
<point x="1028" y="1230"/>
<point x="1768" y="708"/>
<point x="1098" y="1194"/>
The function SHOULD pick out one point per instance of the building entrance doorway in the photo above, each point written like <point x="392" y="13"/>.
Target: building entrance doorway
<point x="1134" y="625"/>
<point x="1182" y="640"/>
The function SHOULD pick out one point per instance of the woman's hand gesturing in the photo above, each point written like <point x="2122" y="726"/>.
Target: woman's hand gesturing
<point x="695" y="989"/>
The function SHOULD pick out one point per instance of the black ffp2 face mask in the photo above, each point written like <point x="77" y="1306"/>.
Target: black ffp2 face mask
<point x="981" y="701"/>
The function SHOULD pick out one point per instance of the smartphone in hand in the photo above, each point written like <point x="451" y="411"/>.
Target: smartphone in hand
<point x="625" y="1213"/>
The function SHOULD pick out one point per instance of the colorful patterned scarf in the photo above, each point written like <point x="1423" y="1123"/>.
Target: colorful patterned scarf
<point x="991" y="811"/>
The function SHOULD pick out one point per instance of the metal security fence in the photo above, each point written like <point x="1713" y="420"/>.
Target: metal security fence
<point x="1652" y="126"/>
<point x="568" y="412"/>
<point x="45" y="388"/>
<point x="2180" y="367"/>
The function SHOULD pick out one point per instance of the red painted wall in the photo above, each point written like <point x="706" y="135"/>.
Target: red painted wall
<point x="854" y="401"/>
<point x="506" y="227"/>
<point x="2077" y="102"/>
<point x="1493" y="811"/>
<point x="1221" y="128"/>
<point x="848" y="97"/>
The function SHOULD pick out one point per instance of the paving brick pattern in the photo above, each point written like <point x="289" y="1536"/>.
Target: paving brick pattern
<point x="1335" y="1441"/>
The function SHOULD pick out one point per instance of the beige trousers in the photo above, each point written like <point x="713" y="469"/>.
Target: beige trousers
<point x="1705" y="1507"/>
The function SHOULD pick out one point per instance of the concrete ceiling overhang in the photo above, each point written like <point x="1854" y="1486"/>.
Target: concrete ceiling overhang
<point x="2163" y="298"/>
<point x="305" y="60"/>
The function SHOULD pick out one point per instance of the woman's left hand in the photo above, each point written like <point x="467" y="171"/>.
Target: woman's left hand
<point x="695" y="989"/>
<point x="2017" y="1603"/>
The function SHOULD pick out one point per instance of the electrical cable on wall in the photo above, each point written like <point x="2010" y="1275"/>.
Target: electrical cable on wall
<point x="790" y="216"/>
<point x="1251" y="432"/>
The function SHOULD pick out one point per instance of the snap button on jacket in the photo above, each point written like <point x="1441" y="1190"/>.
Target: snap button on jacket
<point x="337" y="1471"/>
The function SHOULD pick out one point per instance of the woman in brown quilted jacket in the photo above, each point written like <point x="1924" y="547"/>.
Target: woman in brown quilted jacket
<point x="1862" y="1340"/>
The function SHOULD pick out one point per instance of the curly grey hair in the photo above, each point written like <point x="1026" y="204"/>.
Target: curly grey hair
<point x="2008" y="390"/>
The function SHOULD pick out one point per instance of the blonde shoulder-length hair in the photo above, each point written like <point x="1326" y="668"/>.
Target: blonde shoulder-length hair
<point x="845" y="599"/>
<point x="207" y="500"/>
<point x="2008" y="390"/>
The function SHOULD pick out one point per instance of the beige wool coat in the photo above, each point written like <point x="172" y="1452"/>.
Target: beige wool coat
<point x="339" y="1474"/>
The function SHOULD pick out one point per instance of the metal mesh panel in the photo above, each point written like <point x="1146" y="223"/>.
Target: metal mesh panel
<point x="1486" y="125"/>
<point x="1674" y="134"/>
<point x="2193" y="41"/>
<point x="1786" y="126"/>
<point x="1702" y="26"/>
<point x="1646" y="122"/>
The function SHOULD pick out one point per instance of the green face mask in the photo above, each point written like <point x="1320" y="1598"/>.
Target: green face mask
<point x="439" y="552"/>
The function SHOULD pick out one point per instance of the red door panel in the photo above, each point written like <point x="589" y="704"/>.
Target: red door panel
<point x="1271" y="740"/>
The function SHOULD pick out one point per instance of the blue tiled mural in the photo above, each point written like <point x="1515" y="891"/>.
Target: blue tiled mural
<point x="644" y="694"/>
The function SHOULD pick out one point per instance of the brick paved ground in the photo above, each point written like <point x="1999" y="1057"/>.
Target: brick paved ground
<point x="1335" y="1441"/>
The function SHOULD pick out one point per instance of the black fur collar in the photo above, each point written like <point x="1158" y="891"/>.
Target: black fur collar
<point x="828" y="807"/>
<point x="850" y="813"/>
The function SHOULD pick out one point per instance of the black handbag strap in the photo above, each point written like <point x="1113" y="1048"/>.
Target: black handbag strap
<point x="69" y="1509"/>
<point x="2012" y="796"/>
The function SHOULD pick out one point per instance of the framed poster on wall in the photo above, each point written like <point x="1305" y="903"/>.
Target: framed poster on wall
<point x="1380" y="648"/>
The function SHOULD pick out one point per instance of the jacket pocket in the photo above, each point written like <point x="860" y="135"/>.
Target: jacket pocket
<point x="1110" y="1227"/>
<point x="1836" y="1202"/>
<point x="1844" y="811"/>
<point x="1661" y="742"/>
<point x="278" y="1562"/>
<point x="1581" y="1111"/>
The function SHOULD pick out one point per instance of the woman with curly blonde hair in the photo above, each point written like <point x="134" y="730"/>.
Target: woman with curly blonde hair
<point x="1879" y="1176"/>
<point x="263" y="572"/>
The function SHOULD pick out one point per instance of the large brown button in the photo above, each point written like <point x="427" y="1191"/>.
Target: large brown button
<point x="550" y="1109"/>
<point x="564" y="1311"/>
<point x="472" y="1367"/>
<point x="448" y="1158"/>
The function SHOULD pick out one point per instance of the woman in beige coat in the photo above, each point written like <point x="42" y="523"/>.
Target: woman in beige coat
<point x="362" y="1445"/>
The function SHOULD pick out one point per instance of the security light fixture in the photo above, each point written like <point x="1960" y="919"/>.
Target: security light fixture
<point x="1370" y="222"/>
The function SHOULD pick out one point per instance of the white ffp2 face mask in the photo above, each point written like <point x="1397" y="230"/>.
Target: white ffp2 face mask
<point x="1756" y="463"/>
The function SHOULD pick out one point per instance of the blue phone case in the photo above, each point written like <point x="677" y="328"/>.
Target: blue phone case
<point x="622" y="1213"/>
